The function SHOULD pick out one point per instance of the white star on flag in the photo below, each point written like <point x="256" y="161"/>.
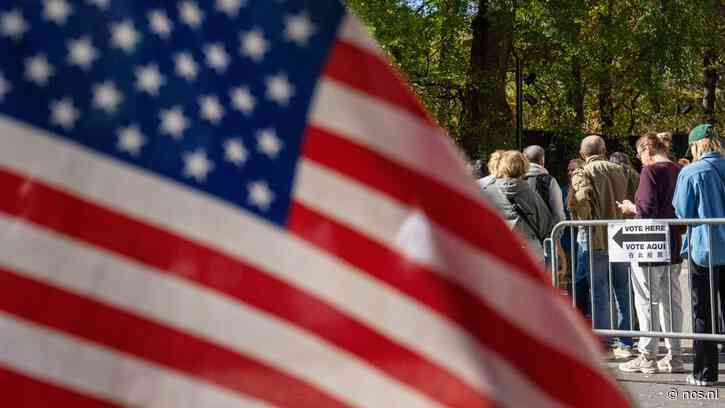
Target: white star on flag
<point x="13" y="25"/>
<point x="160" y="23"/>
<point x="106" y="97"/>
<point x="190" y="14"/>
<point x="216" y="57"/>
<point x="63" y="113"/>
<point x="260" y="195"/>
<point x="279" y="89"/>
<point x="253" y="45"/>
<point x="38" y="70"/>
<point x="230" y="7"/>
<point x="186" y="67"/>
<point x="235" y="152"/>
<point x="242" y="99"/>
<point x="173" y="122"/>
<point x="101" y="4"/>
<point x="81" y="53"/>
<point x="298" y="29"/>
<point x="124" y="36"/>
<point x="268" y="143"/>
<point x="197" y="165"/>
<point x="211" y="109"/>
<point x="57" y="11"/>
<point x="149" y="79"/>
<point x="4" y="87"/>
<point x="130" y="140"/>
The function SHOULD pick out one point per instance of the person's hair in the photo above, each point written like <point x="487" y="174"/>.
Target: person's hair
<point x="592" y="145"/>
<point x="683" y="162"/>
<point x="702" y="146"/>
<point x="652" y="141"/>
<point x="620" y="158"/>
<point x="493" y="161"/>
<point x="534" y="154"/>
<point x="513" y="164"/>
<point x="666" y="139"/>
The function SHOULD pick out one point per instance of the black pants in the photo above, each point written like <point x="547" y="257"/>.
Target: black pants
<point x="706" y="355"/>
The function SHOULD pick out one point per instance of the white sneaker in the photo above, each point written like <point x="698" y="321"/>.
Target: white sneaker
<point x="671" y="364"/>
<point x="700" y="383"/>
<point x="641" y="364"/>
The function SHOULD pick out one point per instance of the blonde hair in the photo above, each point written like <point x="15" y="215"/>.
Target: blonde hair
<point x="513" y="164"/>
<point x="703" y="146"/>
<point x="493" y="161"/>
<point x="665" y="138"/>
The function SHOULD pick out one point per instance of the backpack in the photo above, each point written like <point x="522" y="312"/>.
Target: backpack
<point x="541" y="186"/>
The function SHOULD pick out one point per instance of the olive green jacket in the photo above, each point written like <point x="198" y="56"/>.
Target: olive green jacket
<point x="597" y="186"/>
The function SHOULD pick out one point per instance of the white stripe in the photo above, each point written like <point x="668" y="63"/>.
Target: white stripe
<point x="542" y="316"/>
<point x="124" y="284"/>
<point x="102" y="373"/>
<point x="352" y="31"/>
<point x="393" y="133"/>
<point x="216" y="225"/>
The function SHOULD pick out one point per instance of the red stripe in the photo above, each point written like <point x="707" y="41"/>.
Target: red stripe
<point x="463" y="216"/>
<point x="551" y="370"/>
<point x="82" y="220"/>
<point x="372" y="75"/>
<point x="124" y="331"/>
<point x="17" y="390"/>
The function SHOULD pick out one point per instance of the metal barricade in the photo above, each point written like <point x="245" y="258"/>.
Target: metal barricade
<point x="588" y="225"/>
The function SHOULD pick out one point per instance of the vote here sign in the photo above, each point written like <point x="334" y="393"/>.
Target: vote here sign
<point x="639" y="240"/>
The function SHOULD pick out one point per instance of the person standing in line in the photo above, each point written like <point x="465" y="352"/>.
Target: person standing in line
<point x="630" y="173"/>
<point x="597" y="187"/>
<point x="700" y="193"/>
<point x="654" y="200"/>
<point x="581" y="273"/>
<point x="523" y="209"/>
<point x="544" y="183"/>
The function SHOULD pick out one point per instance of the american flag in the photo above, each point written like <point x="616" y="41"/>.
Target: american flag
<point x="238" y="203"/>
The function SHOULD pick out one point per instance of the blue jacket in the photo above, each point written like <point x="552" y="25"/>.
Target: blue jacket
<point x="700" y="193"/>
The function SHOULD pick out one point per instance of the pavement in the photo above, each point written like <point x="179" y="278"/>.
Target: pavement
<point x="671" y="390"/>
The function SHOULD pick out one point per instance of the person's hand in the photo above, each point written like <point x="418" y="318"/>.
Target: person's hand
<point x="627" y="207"/>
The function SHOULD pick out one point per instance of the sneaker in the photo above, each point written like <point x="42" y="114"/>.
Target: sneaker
<point x="700" y="383"/>
<point x="670" y="364"/>
<point x="641" y="364"/>
<point x="622" y="352"/>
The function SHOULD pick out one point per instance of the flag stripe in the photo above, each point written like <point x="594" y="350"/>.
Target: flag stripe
<point x="116" y="281"/>
<point x="162" y="345"/>
<point x="211" y="270"/>
<point x="352" y="31"/>
<point x="440" y="203"/>
<point x="394" y="133"/>
<point x="490" y="328"/>
<point x="22" y="391"/>
<point x="344" y="65"/>
<point x="302" y="265"/>
<point x="346" y="202"/>
<point x="91" y="369"/>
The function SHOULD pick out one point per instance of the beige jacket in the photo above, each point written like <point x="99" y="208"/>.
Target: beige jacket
<point x="597" y="186"/>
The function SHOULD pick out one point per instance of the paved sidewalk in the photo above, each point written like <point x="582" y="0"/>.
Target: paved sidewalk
<point x="670" y="390"/>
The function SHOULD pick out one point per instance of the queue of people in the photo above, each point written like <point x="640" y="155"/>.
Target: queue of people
<point x="605" y="188"/>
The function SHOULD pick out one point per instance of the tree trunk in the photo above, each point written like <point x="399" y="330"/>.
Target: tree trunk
<point x="488" y="120"/>
<point x="710" y="85"/>
<point x="606" y="107"/>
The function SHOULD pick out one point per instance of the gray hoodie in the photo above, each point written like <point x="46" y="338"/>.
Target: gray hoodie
<point x="503" y="193"/>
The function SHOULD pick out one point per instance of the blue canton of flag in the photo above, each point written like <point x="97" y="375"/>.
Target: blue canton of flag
<point x="162" y="85"/>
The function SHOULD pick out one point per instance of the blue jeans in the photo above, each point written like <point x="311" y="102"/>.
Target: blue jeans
<point x="602" y="304"/>
<point x="581" y="279"/>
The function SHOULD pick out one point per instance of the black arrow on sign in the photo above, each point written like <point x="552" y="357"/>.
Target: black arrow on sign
<point x="620" y="237"/>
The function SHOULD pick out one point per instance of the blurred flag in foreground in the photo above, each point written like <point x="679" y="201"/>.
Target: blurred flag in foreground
<point x="237" y="203"/>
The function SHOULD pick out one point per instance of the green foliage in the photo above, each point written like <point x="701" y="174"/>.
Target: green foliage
<point x="636" y="61"/>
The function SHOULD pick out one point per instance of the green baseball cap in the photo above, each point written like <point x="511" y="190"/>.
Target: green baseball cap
<point x="702" y="131"/>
